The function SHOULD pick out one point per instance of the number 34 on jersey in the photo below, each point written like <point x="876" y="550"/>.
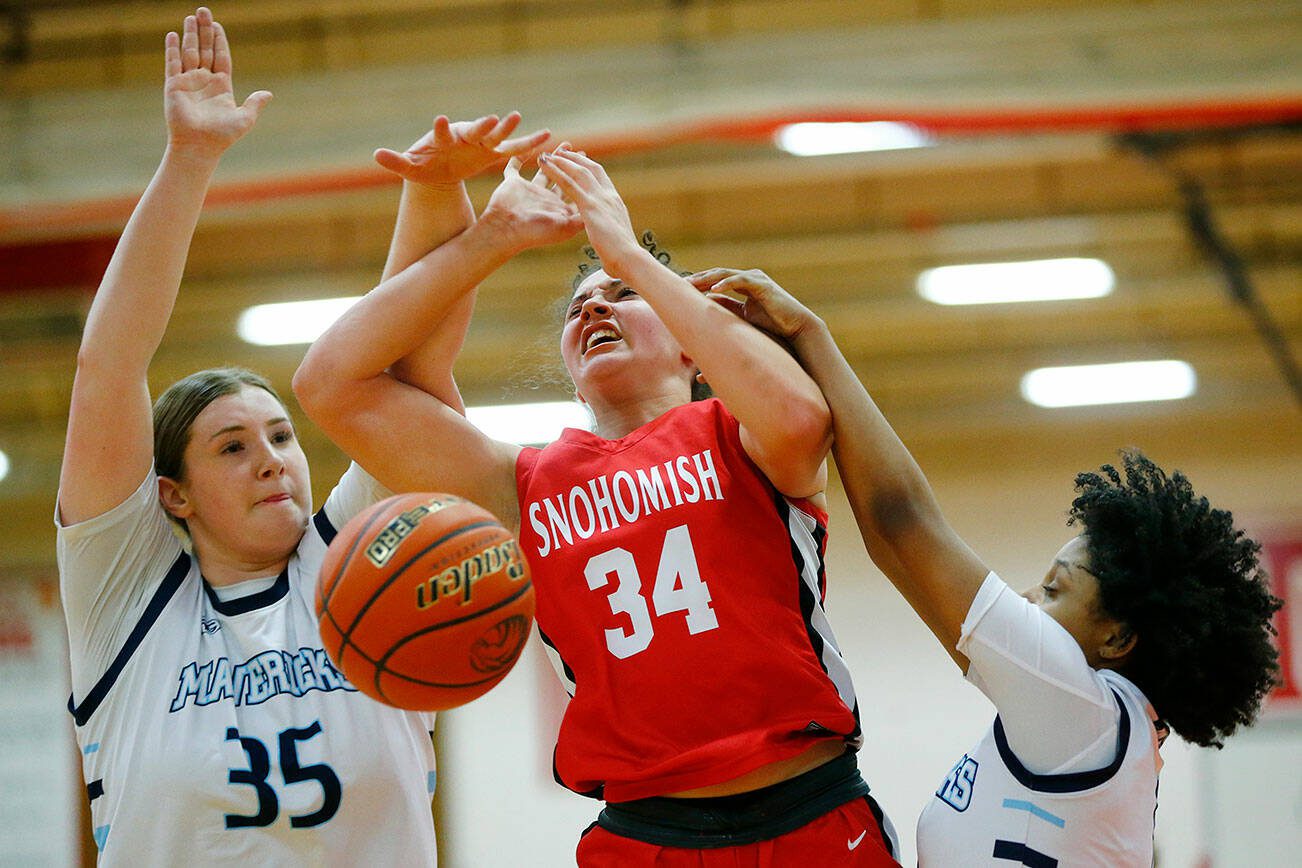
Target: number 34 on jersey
<point x="676" y="587"/>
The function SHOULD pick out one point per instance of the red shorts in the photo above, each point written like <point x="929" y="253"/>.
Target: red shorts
<point x="845" y="837"/>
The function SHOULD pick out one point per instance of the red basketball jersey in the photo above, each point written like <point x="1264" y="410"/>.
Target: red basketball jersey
<point x="681" y="597"/>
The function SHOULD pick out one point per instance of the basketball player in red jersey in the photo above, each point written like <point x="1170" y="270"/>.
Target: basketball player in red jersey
<point x="677" y="551"/>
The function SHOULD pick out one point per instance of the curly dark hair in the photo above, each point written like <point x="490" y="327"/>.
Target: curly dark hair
<point x="591" y="262"/>
<point x="1186" y="581"/>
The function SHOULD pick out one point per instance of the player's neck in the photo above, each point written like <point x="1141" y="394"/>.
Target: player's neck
<point x="221" y="567"/>
<point x="621" y="418"/>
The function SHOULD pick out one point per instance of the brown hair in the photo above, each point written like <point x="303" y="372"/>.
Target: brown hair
<point x="183" y="401"/>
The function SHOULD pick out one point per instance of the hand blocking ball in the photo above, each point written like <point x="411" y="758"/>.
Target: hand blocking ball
<point x="424" y="601"/>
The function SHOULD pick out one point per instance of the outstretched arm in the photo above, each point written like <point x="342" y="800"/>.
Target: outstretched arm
<point x="407" y="437"/>
<point x="433" y="209"/>
<point x="109" y="445"/>
<point x="901" y="522"/>
<point x="785" y="424"/>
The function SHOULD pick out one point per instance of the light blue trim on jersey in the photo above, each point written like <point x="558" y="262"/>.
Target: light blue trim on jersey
<point x="430" y="781"/>
<point x="1034" y="810"/>
<point x="90" y="748"/>
<point x="101" y="836"/>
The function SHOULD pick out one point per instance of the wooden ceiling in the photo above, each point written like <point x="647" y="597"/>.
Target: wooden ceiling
<point x="1031" y="104"/>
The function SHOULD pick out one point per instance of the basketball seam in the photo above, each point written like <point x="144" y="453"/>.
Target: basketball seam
<point x="393" y="577"/>
<point x="381" y="665"/>
<point x="423" y="683"/>
<point x="378" y="510"/>
<point x="375" y="664"/>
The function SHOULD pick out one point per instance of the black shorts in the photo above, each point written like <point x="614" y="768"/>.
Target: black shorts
<point x="744" y="818"/>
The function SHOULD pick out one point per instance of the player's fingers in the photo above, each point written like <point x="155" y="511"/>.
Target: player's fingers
<point x="530" y="154"/>
<point x="203" y="21"/>
<point x="710" y="276"/>
<point x="727" y="302"/>
<point x="502" y="129"/>
<point x="592" y="166"/>
<point x="479" y="128"/>
<point x="512" y="169"/>
<point x="190" y="45"/>
<point x="739" y="283"/>
<point x="221" y="50"/>
<point x="255" y="103"/>
<point x="392" y="160"/>
<point x="526" y="147"/>
<point x="442" y="131"/>
<point x="549" y="165"/>
<point x="565" y="165"/>
<point x="172" y="55"/>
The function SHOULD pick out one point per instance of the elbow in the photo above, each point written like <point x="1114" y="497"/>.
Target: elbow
<point x="808" y="423"/>
<point x="902" y="517"/>
<point x="894" y="513"/>
<point x="806" y="438"/>
<point x="312" y="387"/>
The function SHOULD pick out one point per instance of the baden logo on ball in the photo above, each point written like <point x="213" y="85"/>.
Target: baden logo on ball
<point x="424" y="601"/>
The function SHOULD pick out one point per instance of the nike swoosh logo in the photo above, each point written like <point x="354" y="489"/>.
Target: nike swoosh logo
<point x="850" y="845"/>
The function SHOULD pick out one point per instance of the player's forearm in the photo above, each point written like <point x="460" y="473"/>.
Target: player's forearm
<point x="429" y="216"/>
<point x="135" y="299"/>
<point x="772" y="397"/>
<point x="888" y="490"/>
<point x="899" y="518"/>
<point x="399" y="316"/>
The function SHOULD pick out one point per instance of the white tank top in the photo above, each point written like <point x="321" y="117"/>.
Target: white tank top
<point x="217" y="731"/>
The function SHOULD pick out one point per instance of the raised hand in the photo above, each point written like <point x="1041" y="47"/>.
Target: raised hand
<point x="198" y="97"/>
<point x="584" y="182"/>
<point x="527" y="212"/>
<point x="763" y="303"/>
<point x="452" y="152"/>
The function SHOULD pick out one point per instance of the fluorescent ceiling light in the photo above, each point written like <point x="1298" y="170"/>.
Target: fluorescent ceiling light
<point x="4" y="464"/>
<point x="817" y="139"/>
<point x="293" y="322"/>
<point x="1001" y="282"/>
<point x="529" y="424"/>
<point x="1118" y="383"/>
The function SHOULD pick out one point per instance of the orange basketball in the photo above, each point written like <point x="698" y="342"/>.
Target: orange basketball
<point x="424" y="601"/>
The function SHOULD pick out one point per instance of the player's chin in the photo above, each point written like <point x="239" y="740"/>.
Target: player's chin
<point x="284" y="525"/>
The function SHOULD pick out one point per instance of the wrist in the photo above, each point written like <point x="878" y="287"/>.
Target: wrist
<point x="495" y="238"/>
<point x="627" y="263"/>
<point x="810" y="329"/>
<point x="432" y="190"/>
<point x="193" y="155"/>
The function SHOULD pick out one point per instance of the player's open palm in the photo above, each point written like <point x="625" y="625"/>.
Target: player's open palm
<point x="198" y="97"/>
<point x="529" y="213"/>
<point x="452" y="152"/>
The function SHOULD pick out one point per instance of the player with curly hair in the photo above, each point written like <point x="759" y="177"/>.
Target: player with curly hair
<point x="1155" y="617"/>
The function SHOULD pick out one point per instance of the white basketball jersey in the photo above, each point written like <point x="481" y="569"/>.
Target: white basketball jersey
<point x="991" y="811"/>
<point x="217" y="731"/>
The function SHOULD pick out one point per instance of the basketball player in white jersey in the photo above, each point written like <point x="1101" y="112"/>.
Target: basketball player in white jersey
<point x="213" y="727"/>
<point x="1155" y="617"/>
